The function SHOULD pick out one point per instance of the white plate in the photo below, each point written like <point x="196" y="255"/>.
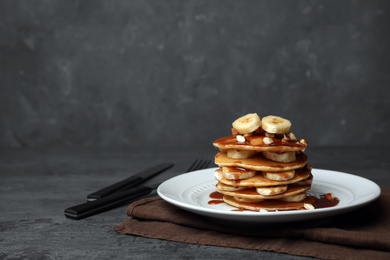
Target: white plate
<point x="190" y="191"/>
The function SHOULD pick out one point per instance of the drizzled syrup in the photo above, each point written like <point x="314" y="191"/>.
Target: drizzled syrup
<point x="216" y="198"/>
<point x="326" y="201"/>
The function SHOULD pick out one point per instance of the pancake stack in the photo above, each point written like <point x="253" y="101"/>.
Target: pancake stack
<point x="262" y="166"/>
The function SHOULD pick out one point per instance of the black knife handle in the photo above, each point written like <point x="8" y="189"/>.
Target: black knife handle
<point x="129" y="182"/>
<point x="119" y="186"/>
<point x="112" y="201"/>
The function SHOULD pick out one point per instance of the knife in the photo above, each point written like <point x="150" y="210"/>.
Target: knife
<point x="109" y="202"/>
<point x="130" y="182"/>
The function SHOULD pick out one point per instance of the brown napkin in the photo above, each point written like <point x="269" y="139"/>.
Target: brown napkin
<point x="361" y="234"/>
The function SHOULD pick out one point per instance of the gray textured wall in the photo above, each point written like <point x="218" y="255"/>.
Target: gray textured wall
<point x="178" y="72"/>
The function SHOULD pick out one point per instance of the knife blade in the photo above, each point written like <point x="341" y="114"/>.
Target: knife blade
<point x="130" y="182"/>
<point x="114" y="200"/>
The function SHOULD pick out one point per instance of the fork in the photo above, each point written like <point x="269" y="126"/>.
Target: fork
<point x="199" y="164"/>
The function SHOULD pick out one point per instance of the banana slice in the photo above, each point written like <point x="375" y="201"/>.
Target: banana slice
<point x="223" y="187"/>
<point x="269" y="191"/>
<point x="247" y="124"/>
<point x="280" y="157"/>
<point x="275" y="125"/>
<point x="237" y="173"/>
<point x="279" y="176"/>
<point x="235" y="154"/>
<point x="295" y="198"/>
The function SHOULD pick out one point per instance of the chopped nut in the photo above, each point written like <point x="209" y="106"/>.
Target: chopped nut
<point x="289" y="137"/>
<point x="329" y="196"/>
<point x="303" y="141"/>
<point x="269" y="134"/>
<point x="308" y="206"/>
<point x="240" y="139"/>
<point x="263" y="210"/>
<point x="258" y="131"/>
<point x="256" y="141"/>
<point x="292" y="137"/>
<point x="268" y="140"/>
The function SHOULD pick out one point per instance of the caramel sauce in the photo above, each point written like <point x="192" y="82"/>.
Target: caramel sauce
<point x="230" y="140"/>
<point x="236" y="183"/>
<point x="215" y="202"/>
<point x="325" y="201"/>
<point x="217" y="198"/>
<point x="216" y="195"/>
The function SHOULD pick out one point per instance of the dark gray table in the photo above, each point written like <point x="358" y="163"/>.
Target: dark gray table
<point x="36" y="186"/>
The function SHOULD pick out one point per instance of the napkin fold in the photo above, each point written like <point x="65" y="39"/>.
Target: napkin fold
<point x="360" y="234"/>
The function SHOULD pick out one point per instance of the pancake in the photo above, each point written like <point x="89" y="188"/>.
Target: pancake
<point x="307" y="181"/>
<point x="251" y="193"/>
<point x="268" y="205"/>
<point x="260" y="181"/>
<point x="259" y="163"/>
<point x="255" y="143"/>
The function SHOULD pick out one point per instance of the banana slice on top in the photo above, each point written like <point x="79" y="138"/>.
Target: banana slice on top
<point x="247" y="124"/>
<point x="275" y="125"/>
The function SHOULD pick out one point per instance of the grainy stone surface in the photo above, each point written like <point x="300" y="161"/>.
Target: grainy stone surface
<point x="161" y="80"/>
<point x="38" y="184"/>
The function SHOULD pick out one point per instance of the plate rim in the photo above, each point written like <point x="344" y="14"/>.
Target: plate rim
<point x="272" y="216"/>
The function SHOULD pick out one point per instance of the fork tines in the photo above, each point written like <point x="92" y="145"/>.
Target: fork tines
<point x="199" y="164"/>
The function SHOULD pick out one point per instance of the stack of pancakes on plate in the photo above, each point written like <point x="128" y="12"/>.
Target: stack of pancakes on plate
<point x="262" y="166"/>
